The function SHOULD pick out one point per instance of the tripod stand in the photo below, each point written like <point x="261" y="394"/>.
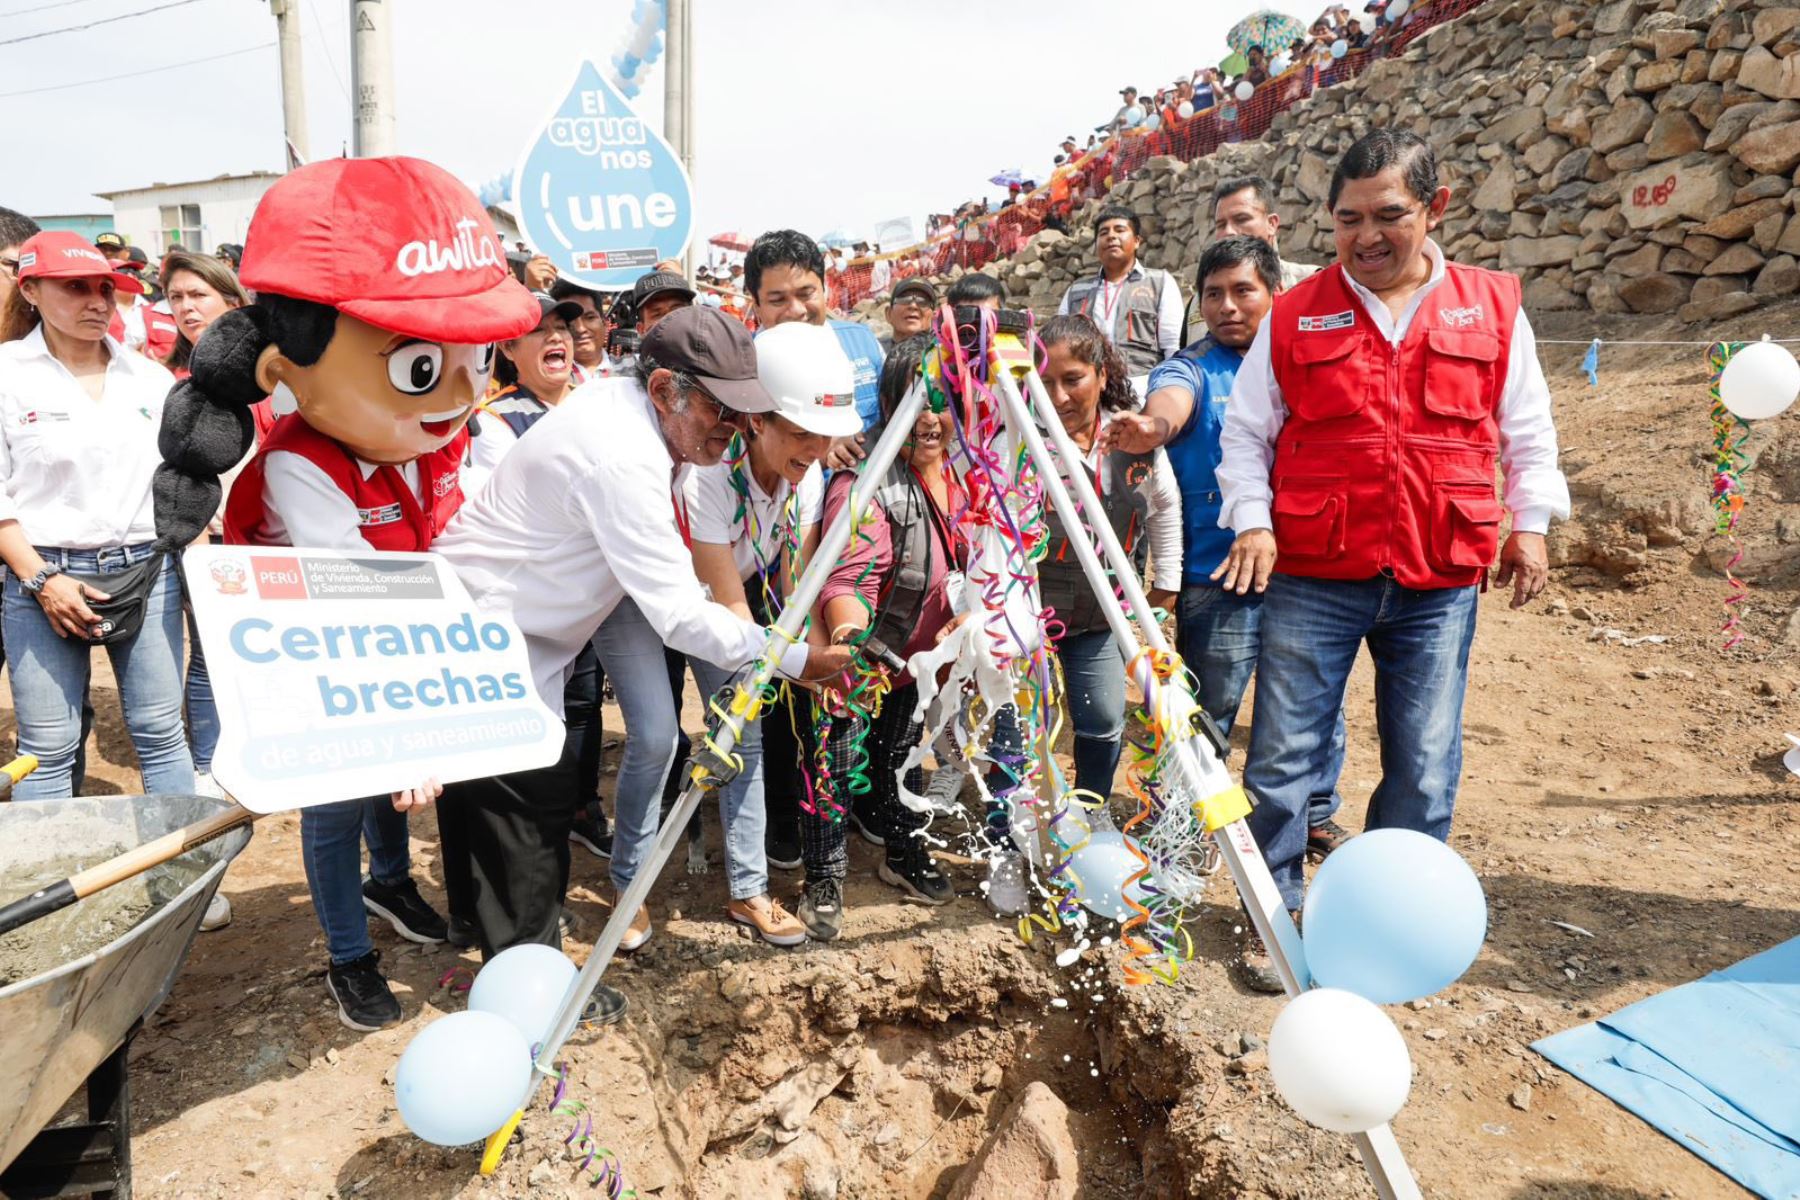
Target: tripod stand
<point x="1005" y="364"/>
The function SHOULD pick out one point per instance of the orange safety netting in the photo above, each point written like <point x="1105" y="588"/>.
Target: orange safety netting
<point x="979" y="241"/>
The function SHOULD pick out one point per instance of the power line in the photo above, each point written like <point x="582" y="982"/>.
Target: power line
<point x="19" y="12"/>
<point x="142" y="12"/>
<point x="57" y="87"/>
<point x="325" y="49"/>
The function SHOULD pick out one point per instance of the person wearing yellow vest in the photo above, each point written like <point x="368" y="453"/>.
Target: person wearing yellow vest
<point x="1359" y="450"/>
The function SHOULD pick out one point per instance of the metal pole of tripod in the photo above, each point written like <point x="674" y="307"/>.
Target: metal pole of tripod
<point x="725" y="738"/>
<point x="1381" y="1154"/>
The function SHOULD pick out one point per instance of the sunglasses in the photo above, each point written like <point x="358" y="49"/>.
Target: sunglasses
<point x="911" y="300"/>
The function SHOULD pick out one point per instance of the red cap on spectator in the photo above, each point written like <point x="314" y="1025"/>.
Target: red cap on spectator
<point x="396" y="242"/>
<point x="60" y="254"/>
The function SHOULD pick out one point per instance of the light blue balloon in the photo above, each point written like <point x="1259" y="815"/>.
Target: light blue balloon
<point x="1103" y="865"/>
<point x="1393" y="915"/>
<point x="526" y="985"/>
<point x="461" y="1078"/>
<point x="1135" y="117"/>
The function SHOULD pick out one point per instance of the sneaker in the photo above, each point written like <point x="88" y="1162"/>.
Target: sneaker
<point x="782" y="849"/>
<point x="822" y="908"/>
<point x="364" y="1000"/>
<point x="638" y="932"/>
<point x="400" y="905"/>
<point x="946" y="785"/>
<point x="592" y="835"/>
<point x="868" y="835"/>
<point x="462" y="933"/>
<point x="1323" y="838"/>
<point x="218" y="913"/>
<point x="915" y="872"/>
<point x="765" y="915"/>
<point x="1255" y="966"/>
<point x="206" y="785"/>
<point x="1006" y="891"/>
<point x="605" y="1007"/>
<point x="565" y="926"/>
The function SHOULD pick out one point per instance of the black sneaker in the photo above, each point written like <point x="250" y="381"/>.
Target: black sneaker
<point x="462" y="933"/>
<point x="821" y="908"/>
<point x="782" y="849"/>
<point x="401" y="906"/>
<point x="605" y="1007"/>
<point x="1323" y="838"/>
<point x="592" y="835"/>
<point x="364" y="1000"/>
<point x="915" y="872"/>
<point x="868" y="834"/>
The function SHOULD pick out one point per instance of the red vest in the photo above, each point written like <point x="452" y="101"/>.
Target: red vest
<point x="392" y="517"/>
<point x="160" y="332"/>
<point x="1386" y="460"/>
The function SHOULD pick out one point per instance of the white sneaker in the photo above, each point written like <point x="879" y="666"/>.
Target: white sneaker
<point x="1007" y="893"/>
<point x="206" y="785"/>
<point x="218" y="913"/>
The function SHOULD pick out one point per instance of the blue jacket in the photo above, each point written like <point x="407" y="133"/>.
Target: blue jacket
<point x="1206" y="370"/>
<point x="864" y="353"/>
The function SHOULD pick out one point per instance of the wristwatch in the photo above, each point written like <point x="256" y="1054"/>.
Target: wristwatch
<point x="36" y="583"/>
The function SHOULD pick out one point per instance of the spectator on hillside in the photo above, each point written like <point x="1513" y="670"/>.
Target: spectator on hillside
<point x="1354" y="35"/>
<point x="1122" y="118"/>
<point x="1243" y="207"/>
<point x="1069" y="151"/>
<point x="1208" y="87"/>
<point x="1258" y="73"/>
<point x="1138" y="308"/>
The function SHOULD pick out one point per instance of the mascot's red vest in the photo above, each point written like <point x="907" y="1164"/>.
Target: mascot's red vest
<point x="1386" y="461"/>
<point x="392" y="517"/>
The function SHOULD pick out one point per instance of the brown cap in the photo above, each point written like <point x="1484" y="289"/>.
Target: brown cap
<point x="716" y="350"/>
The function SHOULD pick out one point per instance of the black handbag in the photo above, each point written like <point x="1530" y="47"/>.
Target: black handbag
<point x="122" y="615"/>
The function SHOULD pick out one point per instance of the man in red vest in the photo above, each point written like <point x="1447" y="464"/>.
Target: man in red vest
<point x="1358" y="473"/>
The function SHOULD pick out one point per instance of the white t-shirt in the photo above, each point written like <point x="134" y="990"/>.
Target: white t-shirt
<point x="713" y="505"/>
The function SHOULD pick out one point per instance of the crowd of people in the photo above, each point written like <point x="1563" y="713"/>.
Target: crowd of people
<point x="637" y="485"/>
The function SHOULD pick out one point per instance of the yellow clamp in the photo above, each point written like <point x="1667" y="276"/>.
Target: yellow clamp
<point x="1219" y="810"/>
<point x="1009" y="352"/>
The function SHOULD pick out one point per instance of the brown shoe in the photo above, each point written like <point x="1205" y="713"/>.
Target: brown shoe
<point x="636" y="933"/>
<point x="764" y="914"/>
<point x="1323" y="838"/>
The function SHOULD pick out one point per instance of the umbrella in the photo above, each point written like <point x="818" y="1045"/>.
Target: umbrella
<point x="1007" y="177"/>
<point x="733" y="241"/>
<point x="1233" y="64"/>
<point x="1268" y="29"/>
<point x="837" y="239"/>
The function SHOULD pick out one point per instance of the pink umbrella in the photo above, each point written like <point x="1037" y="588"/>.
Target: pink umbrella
<point x="733" y="241"/>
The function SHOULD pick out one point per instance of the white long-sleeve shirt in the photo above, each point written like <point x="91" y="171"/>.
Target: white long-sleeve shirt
<point x="1170" y="308"/>
<point x="579" y="516"/>
<point x="1535" y="489"/>
<point x="74" y="471"/>
<point x="1162" y="522"/>
<point x="303" y="507"/>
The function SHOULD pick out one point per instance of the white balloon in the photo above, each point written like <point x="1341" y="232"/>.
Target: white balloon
<point x="1397" y="9"/>
<point x="1338" y="1061"/>
<point x="1279" y="64"/>
<point x="1340" y="48"/>
<point x="1760" y="381"/>
<point x="1245" y="90"/>
<point x="1184" y="110"/>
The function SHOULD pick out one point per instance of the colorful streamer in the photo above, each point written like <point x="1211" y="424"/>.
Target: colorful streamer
<point x="1729" y="460"/>
<point x="603" y="1166"/>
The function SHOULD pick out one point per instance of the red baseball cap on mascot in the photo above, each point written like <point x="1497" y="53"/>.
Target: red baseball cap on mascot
<point x="395" y="242"/>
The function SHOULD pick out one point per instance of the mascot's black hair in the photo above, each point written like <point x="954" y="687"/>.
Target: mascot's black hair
<point x="206" y="424"/>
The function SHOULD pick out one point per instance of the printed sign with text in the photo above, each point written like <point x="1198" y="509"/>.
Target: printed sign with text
<point x="344" y="675"/>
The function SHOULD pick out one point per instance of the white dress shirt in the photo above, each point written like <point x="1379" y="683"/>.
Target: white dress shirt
<point x="712" y="505"/>
<point x="1535" y="489"/>
<point x="74" y="471"/>
<point x="577" y="517"/>
<point x="302" y="506"/>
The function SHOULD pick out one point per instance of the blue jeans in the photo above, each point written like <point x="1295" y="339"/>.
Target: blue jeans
<point x="632" y="655"/>
<point x="742" y="812"/>
<point x="1094" y="677"/>
<point x="50" y="680"/>
<point x="1219" y="636"/>
<point x="331" y="837"/>
<point x="1419" y="641"/>
<point x="202" y="713"/>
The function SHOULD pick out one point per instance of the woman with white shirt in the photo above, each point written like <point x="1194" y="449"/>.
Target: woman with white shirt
<point x="79" y="418"/>
<point x="753" y="520"/>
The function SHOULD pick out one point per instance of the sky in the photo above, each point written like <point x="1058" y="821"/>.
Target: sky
<point x="814" y="114"/>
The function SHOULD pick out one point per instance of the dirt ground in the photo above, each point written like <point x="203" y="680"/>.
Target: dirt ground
<point x="1631" y="788"/>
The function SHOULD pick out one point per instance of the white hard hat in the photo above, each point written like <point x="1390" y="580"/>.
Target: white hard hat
<point x="805" y="369"/>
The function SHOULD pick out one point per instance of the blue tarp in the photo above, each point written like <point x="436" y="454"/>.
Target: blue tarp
<point x="1715" y="1064"/>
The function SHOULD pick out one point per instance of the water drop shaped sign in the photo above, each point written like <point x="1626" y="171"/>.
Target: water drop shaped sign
<point x="600" y="192"/>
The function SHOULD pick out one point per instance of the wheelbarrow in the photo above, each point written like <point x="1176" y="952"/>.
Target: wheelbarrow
<point x="78" y="984"/>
